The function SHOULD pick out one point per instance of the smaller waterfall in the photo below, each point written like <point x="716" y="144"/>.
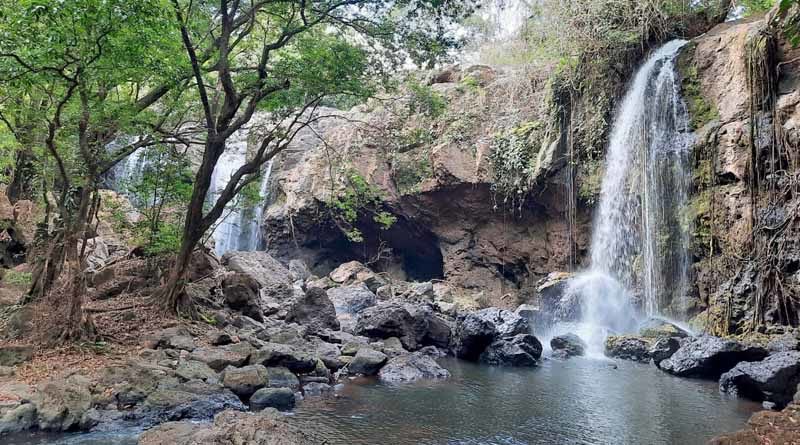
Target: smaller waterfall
<point x="639" y="252"/>
<point x="239" y="227"/>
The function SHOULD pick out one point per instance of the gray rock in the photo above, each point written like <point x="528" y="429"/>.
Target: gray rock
<point x="786" y="342"/>
<point x="317" y="389"/>
<point x="182" y="343"/>
<point x="351" y="299"/>
<point x="280" y="377"/>
<point x="520" y="350"/>
<point x="570" y="343"/>
<point x="658" y="328"/>
<point x="663" y="349"/>
<point x="773" y="379"/>
<point x="278" y="398"/>
<point x="21" y="417"/>
<point x="367" y="362"/>
<point x="63" y="403"/>
<point x="628" y="348"/>
<point x="241" y="293"/>
<point x="246" y="380"/>
<point x="299" y="269"/>
<point x="315" y="310"/>
<point x="347" y="272"/>
<point x="195" y="370"/>
<point x="219" y="358"/>
<point x="267" y="427"/>
<point x="220" y="338"/>
<point x="477" y="330"/>
<point x="412" y="367"/>
<point x="709" y="357"/>
<point x="288" y="356"/>
<point x="275" y="279"/>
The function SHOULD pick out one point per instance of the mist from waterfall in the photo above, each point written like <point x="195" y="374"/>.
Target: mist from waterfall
<point x="640" y="240"/>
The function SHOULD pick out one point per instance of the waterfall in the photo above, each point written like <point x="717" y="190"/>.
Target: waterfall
<point x="639" y="252"/>
<point x="240" y="226"/>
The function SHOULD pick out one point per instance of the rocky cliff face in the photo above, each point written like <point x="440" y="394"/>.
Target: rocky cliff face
<point x="426" y="159"/>
<point x="741" y="86"/>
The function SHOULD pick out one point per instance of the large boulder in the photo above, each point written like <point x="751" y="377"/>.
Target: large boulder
<point x="412" y="367"/>
<point x="267" y="427"/>
<point x="519" y="350"/>
<point x="663" y="348"/>
<point x="278" y="398"/>
<point x="388" y="320"/>
<point x="280" y="377"/>
<point x="347" y="272"/>
<point x="295" y="358"/>
<point x="246" y="380"/>
<point x="709" y="357"/>
<point x="773" y="379"/>
<point x="367" y="361"/>
<point x="658" y="328"/>
<point x="568" y="344"/>
<point x="477" y="330"/>
<point x="275" y="280"/>
<point x="64" y="403"/>
<point x="241" y="293"/>
<point x="628" y="348"/>
<point x="351" y="299"/>
<point x="219" y="358"/>
<point x="315" y="310"/>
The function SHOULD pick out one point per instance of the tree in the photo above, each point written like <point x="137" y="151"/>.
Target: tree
<point x="90" y="70"/>
<point x="284" y="58"/>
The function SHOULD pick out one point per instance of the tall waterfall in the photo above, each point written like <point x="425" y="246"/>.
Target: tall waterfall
<point x="240" y="226"/>
<point x="639" y="251"/>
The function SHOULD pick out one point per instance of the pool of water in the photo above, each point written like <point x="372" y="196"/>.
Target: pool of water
<point x="579" y="401"/>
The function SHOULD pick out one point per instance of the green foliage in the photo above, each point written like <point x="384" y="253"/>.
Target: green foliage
<point x="409" y="171"/>
<point x="513" y="157"/>
<point x="18" y="279"/>
<point x="359" y="197"/>
<point x="470" y="83"/>
<point x="425" y="101"/>
<point x="8" y="149"/>
<point x="752" y="7"/>
<point x="700" y="110"/>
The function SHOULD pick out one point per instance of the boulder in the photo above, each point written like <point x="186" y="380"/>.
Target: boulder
<point x="658" y="328"/>
<point x="278" y="398"/>
<point x="317" y="389"/>
<point x="347" y="272"/>
<point x="219" y="358"/>
<point x="570" y="345"/>
<point x="477" y="330"/>
<point x="220" y="338"/>
<point x="773" y="379"/>
<point x="785" y="342"/>
<point x="274" y="279"/>
<point x="15" y="354"/>
<point x="195" y="370"/>
<point x="63" y="403"/>
<point x="190" y="400"/>
<point x="414" y="325"/>
<point x="292" y="357"/>
<point x="367" y="362"/>
<point x="709" y="357"/>
<point x="164" y="338"/>
<point x="299" y="269"/>
<point x="241" y="293"/>
<point x="280" y="377"/>
<point x="246" y="380"/>
<point x="519" y="350"/>
<point x="410" y="368"/>
<point x="315" y="310"/>
<point x="351" y="299"/>
<point x="628" y="348"/>
<point x="267" y="427"/>
<point x="663" y="348"/>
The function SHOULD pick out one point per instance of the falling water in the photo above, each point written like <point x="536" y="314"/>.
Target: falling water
<point x="240" y="227"/>
<point x="639" y="252"/>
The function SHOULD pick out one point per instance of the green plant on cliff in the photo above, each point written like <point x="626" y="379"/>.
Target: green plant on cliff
<point x="358" y="197"/>
<point x="410" y="170"/>
<point x="513" y="158"/>
<point x="425" y="101"/>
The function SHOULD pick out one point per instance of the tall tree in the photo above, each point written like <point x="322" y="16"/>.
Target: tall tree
<point x="92" y="70"/>
<point x="284" y="57"/>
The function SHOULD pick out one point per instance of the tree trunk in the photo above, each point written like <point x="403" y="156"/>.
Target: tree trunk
<point x="22" y="186"/>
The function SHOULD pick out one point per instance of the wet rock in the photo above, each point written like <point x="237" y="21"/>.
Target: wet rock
<point x="367" y="362"/>
<point x="663" y="349"/>
<point x="267" y="427"/>
<point x="241" y="293"/>
<point x="272" y="276"/>
<point x="17" y="417"/>
<point x="411" y="368"/>
<point x="710" y="357"/>
<point x="317" y="389"/>
<point x="477" y="330"/>
<point x="388" y="320"/>
<point x="246" y="380"/>
<point x="519" y="350"/>
<point x="773" y="379"/>
<point x="190" y="400"/>
<point x="288" y="356"/>
<point x="628" y="348"/>
<point x="570" y="344"/>
<point x="278" y="398"/>
<point x="15" y="354"/>
<point x="315" y="310"/>
<point x="219" y="358"/>
<point x="280" y="377"/>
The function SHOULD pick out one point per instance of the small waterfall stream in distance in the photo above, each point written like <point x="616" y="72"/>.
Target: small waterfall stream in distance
<point x="640" y="241"/>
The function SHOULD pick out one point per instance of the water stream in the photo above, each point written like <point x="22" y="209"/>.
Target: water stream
<point x="640" y="241"/>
